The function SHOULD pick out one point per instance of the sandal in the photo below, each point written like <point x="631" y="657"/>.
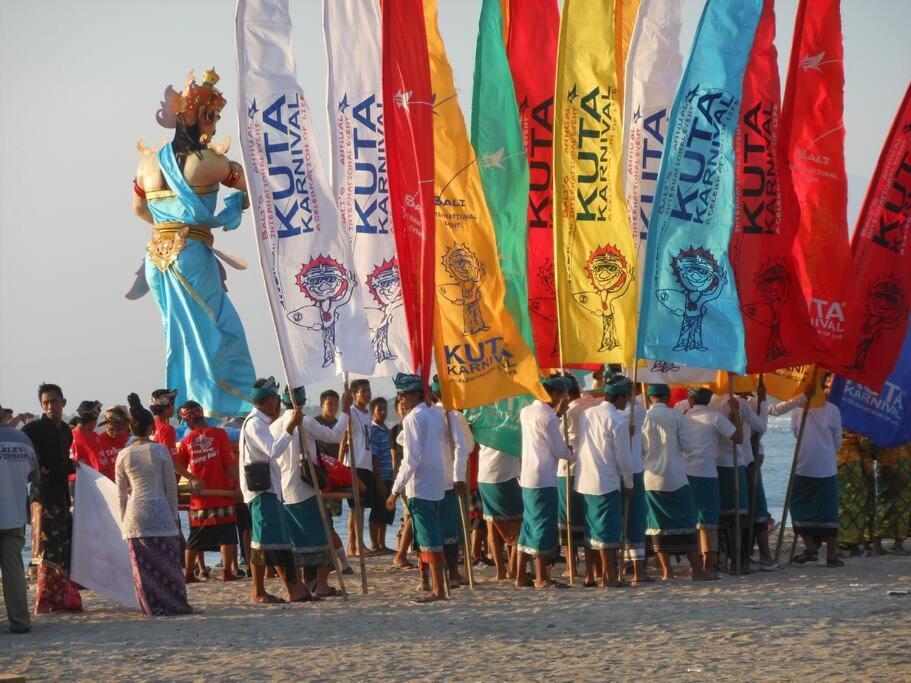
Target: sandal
<point x="806" y="556"/>
<point x="333" y="592"/>
<point x="269" y="599"/>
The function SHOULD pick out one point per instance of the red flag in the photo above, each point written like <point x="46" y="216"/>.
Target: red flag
<point x="408" y="118"/>
<point x="878" y="307"/>
<point x="534" y="26"/>
<point x="813" y="145"/>
<point x="777" y="328"/>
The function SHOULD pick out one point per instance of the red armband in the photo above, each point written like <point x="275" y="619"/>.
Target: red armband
<point x="234" y="175"/>
<point x="139" y="192"/>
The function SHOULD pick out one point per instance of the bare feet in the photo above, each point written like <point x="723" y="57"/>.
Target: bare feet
<point x="267" y="599"/>
<point x="427" y="597"/>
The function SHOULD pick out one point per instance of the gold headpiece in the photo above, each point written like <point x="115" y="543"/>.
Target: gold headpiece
<point x="188" y="102"/>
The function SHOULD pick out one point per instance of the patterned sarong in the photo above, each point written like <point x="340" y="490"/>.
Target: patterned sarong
<point x="893" y="492"/>
<point x="308" y="537"/>
<point x="55" y="591"/>
<point x="158" y="577"/>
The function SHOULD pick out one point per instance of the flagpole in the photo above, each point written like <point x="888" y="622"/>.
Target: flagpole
<point x="790" y="490"/>
<point x="570" y="550"/>
<point x="624" y="533"/>
<point x="736" y="463"/>
<point x="358" y="519"/>
<point x="753" y="495"/>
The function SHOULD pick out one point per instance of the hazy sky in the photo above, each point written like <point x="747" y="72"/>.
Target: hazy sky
<point x="80" y="82"/>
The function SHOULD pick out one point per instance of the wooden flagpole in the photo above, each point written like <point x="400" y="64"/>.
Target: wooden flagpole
<point x="736" y="463"/>
<point x="358" y="517"/>
<point x="624" y="531"/>
<point x="790" y="490"/>
<point x="570" y="550"/>
<point x="755" y="449"/>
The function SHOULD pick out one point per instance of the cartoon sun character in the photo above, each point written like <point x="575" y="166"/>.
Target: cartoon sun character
<point x="610" y="276"/>
<point x="329" y="285"/>
<point x="464" y="267"/>
<point x="773" y="283"/>
<point x="385" y="286"/>
<point x="702" y="280"/>
<point x="885" y="308"/>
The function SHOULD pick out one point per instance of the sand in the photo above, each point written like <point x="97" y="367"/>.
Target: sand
<point x="807" y="622"/>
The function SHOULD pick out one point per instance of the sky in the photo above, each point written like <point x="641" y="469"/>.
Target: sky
<point x="80" y="83"/>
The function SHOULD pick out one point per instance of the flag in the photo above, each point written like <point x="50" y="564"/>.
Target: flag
<point x="786" y="383"/>
<point x="532" y="48"/>
<point x="625" y="12"/>
<point x="359" y="177"/>
<point x="775" y="319"/>
<point x="877" y="321"/>
<point x="593" y="246"/>
<point x="812" y="146"/>
<point x="690" y="311"/>
<point x="101" y="558"/>
<point x="409" y="153"/>
<point x="317" y="303"/>
<point x="480" y="353"/>
<point x="884" y="416"/>
<point x="661" y="372"/>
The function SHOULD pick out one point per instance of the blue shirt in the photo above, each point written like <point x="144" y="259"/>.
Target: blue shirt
<point x="379" y="447"/>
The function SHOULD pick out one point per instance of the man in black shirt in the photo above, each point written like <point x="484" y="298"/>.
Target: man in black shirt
<point x="52" y="439"/>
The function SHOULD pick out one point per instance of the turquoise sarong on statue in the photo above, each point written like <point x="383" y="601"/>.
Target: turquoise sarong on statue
<point x="207" y="357"/>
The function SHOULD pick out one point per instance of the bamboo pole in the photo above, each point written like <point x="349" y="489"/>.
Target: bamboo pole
<point x="570" y="550"/>
<point x="358" y="515"/>
<point x="624" y="533"/>
<point x="790" y="490"/>
<point x="736" y="463"/>
<point x="753" y="495"/>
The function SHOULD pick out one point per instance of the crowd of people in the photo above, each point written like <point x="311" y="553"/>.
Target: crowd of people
<point x="623" y="472"/>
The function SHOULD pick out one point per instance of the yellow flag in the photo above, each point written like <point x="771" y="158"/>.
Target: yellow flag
<point x="480" y="354"/>
<point x="624" y="23"/>
<point x="786" y="383"/>
<point x="594" y="257"/>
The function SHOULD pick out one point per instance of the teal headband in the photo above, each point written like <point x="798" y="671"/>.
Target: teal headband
<point x="658" y="390"/>
<point x="300" y="397"/>
<point x="269" y="388"/>
<point x="557" y="383"/>
<point x="618" y="386"/>
<point x="405" y="383"/>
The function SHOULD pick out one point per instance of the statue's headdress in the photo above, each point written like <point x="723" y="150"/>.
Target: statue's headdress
<point x="188" y="102"/>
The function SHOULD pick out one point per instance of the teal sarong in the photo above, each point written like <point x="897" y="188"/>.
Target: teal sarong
<point x="814" y="506"/>
<point x="635" y="526"/>
<point x="726" y="487"/>
<point x="425" y="519"/>
<point x="308" y="537"/>
<point x="270" y="523"/>
<point x="502" y="501"/>
<point x="538" y="536"/>
<point x="707" y="499"/>
<point x="603" y="520"/>
<point x="577" y="525"/>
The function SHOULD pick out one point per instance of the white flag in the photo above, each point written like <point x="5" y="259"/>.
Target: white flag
<point x="355" y="55"/>
<point x="317" y="303"/>
<point x="100" y="557"/>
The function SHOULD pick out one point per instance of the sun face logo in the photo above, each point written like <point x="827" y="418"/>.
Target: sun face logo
<point x="773" y="283"/>
<point x="610" y="276"/>
<point x="322" y="279"/>
<point x="885" y="308"/>
<point x="466" y="269"/>
<point x="701" y="281"/>
<point x="607" y="269"/>
<point x="385" y="286"/>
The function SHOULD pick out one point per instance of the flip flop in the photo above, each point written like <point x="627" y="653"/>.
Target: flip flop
<point x="333" y="592"/>
<point x="551" y="585"/>
<point x="405" y="566"/>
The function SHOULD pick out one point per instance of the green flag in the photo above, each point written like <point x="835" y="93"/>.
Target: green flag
<point x="496" y="135"/>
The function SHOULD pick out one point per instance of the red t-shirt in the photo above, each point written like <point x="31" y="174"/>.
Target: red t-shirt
<point x="85" y="449"/>
<point x="207" y="454"/>
<point x="108" y="448"/>
<point x="339" y="474"/>
<point x="166" y="436"/>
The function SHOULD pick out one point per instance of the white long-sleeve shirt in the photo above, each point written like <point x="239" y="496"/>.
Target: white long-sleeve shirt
<point x="665" y="436"/>
<point x="495" y="467"/>
<point x="707" y="429"/>
<point x="459" y="442"/>
<point x="360" y="440"/>
<point x="258" y="444"/>
<point x="638" y="422"/>
<point x="603" y="457"/>
<point x="571" y="419"/>
<point x="542" y="446"/>
<point x="295" y="489"/>
<point x="752" y="422"/>
<point x="421" y="473"/>
<point x="821" y="440"/>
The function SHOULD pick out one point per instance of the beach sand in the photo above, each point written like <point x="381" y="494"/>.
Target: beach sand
<point x="806" y="622"/>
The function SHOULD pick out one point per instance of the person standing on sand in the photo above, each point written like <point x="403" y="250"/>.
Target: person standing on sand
<point x="86" y="446"/>
<point x="406" y="532"/>
<point x="161" y="405"/>
<point x="147" y="491"/>
<point x="671" y="512"/>
<point x="603" y="464"/>
<point x="501" y="498"/>
<point x="359" y="446"/>
<point x="542" y="447"/>
<point x="260" y="483"/>
<point x="18" y="468"/>
<point x="635" y="517"/>
<point x="116" y="423"/>
<point x="380" y="517"/>
<point x="421" y="476"/>
<point x="328" y="417"/>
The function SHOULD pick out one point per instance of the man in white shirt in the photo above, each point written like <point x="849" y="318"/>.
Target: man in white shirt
<point x="364" y="463"/>
<point x="421" y="477"/>
<point x="459" y="442"/>
<point x="501" y="496"/>
<point x="814" y="496"/>
<point x="671" y="512"/>
<point x="542" y="447"/>
<point x="707" y="429"/>
<point x="309" y="543"/>
<point x="603" y="459"/>
<point x="260" y="483"/>
<point x="636" y="506"/>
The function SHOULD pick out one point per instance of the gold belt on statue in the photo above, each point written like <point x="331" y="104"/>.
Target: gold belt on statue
<point x="169" y="239"/>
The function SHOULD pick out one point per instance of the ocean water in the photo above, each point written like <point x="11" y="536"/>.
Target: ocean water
<point x="778" y="443"/>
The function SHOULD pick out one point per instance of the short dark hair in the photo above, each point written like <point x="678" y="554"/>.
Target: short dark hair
<point x="359" y="384"/>
<point x="47" y="387"/>
<point x="329" y="393"/>
<point x="378" y="401"/>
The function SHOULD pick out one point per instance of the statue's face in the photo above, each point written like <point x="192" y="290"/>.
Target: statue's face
<point x="207" y="121"/>
<point x="697" y="273"/>
<point x="324" y="282"/>
<point x="388" y="286"/>
<point x="607" y="272"/>
<point x="464" y="267"/>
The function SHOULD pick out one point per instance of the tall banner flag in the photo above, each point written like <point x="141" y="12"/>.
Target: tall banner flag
<point x="534" y="26"/>
<point x="778" y="329"/>
<point x="625" y="12"/>
<point x="480" y="353"/>
<point x="877" y="311"/>
<point x="317" y="303"/>
<point x="690" y="309"/>
<point x="593" y="245"/>
<point x="813" y="147"/>
<point x="885" y="415"/>
<point x="409" y="154"/>
<point x="359" y="176"/>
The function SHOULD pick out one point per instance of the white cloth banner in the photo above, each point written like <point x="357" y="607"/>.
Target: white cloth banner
<point x="355" y="54"/>
<point x="317" y="303"/>
<point x="661" y="372"/>
<point x="100" y="557"/>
